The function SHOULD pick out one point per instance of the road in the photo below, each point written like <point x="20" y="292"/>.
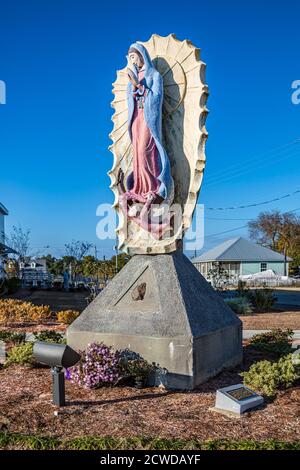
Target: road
<point x="288" y="297"/>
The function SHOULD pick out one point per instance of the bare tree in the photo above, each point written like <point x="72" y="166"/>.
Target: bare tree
<point x="265" y="229"/>
<point x="279" y="231"/>
<point x="77" y="249"/>
<point x="19" y="241"/>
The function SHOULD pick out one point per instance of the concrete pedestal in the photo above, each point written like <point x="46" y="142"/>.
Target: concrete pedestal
<point x="161" y="307"/>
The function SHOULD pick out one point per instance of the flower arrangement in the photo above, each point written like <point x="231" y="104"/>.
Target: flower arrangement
<point x="98" y="366"/>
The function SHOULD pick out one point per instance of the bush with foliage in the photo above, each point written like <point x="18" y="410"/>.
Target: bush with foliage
<point x="240" y="305"/>
<point x="263" y="300"/>
<point x="98" y="366"/>
<point x="21" y="354"/>
<point x="15" y="311"/>
<point x="50" y="336"/>
<point x="268" y="377"/>
<point x="9" y="286"/>
<point x="276" y="341"/>
<point x="242" y="289"/>
<point x="67" y="316"/>
<point x="11" y="337"/>
<point x="139" y="370"/>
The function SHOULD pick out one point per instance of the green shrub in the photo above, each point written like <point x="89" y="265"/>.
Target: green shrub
<point x="267" y="377"/>
<point x="21" y="354"/>
<point x="240" y="305"/>
<point x="13" y="284"/>
<point x="9" y="286"/>
<point x="273" y="336"/>
<point x="242" y="289"/>
<point x="262" y="300"/>
<point x="276" y="341"/>
<point x="139" y="370"/>
<point x="132" y="365"/>
<point x="50" y="336"/>
<point x="8" y="336"/>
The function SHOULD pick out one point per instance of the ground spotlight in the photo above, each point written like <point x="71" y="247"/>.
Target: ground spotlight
<point x="58" y="357"/>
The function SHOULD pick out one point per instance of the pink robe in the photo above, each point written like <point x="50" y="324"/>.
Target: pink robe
<point x="145" y="155"/>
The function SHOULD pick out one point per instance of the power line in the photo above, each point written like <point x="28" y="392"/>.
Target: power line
<point x="233" y="174"/>
<point x="226" y="231"/>
<point x="220" y="218"/>
<point x="239" y="228"/>
<point x="252" y="159"/>
<point x="245" y="206"/>
<point x="234" y="171"/>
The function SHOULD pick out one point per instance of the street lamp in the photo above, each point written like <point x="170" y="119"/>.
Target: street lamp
<point x="58" y="357"/>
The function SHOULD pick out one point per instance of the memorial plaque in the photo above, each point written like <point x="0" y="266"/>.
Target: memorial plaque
<point x="241" y="393"/>
<point x="237" y="399"/>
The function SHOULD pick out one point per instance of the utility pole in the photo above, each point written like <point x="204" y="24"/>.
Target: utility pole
<point x="116" y="250"/>
<point x="285" y="261"/>
<point x="286" y="244"/>
<point x="96" y="254"/>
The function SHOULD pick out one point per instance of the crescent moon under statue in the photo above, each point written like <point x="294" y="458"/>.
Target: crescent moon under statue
<point x="158" y="145"/>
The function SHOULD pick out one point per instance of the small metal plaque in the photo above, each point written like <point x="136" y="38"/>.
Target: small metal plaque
<point x="237" y="399"/>
<point x="241" y="393"/>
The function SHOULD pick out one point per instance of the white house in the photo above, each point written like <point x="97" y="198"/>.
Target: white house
<point x="34" y="272"/>
<point x="4" y="250"/>
<point x="3" y="212"/>
<point x="240" y="257"/>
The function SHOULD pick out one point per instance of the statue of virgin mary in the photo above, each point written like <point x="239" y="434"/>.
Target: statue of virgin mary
<point x="150" y="181"/>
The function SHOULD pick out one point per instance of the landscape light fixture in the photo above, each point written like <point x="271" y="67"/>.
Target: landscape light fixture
<point x="58" y="357"/>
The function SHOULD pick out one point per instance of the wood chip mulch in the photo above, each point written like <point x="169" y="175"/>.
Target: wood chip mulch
<point x="265" y="321"/>
<point x="25" y="406"/>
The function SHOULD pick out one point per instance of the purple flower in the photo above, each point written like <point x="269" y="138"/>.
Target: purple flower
<point x="99" y="365"/>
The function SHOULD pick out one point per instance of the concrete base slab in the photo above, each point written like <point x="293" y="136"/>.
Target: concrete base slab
<point x="229" y="414"/>
<point x="161" y="307"/>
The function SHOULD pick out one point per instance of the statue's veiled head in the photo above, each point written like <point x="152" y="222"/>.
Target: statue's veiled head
<point x="140" y="57"/>
<point x="135" y="57"/>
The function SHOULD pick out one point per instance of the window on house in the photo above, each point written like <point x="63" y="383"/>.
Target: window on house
<point x="263" y="267"/>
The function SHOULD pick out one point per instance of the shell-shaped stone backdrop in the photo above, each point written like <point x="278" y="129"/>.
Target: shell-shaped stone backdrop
<point x="184" y="135"/>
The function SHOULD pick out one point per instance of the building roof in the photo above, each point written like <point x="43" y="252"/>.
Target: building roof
<point x="39" y="263"/>
<point x="240" y="249"/>
<point x="3" y="209"/>
<point x="4" y="250"/>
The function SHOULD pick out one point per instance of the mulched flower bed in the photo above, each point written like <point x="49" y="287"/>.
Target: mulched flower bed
<point x="25" y="406"/>
<point x="33" y="327"/>
<point x="265" y="321"/>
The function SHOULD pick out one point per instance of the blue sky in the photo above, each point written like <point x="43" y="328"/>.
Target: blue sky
<point x="58" y="59"/>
